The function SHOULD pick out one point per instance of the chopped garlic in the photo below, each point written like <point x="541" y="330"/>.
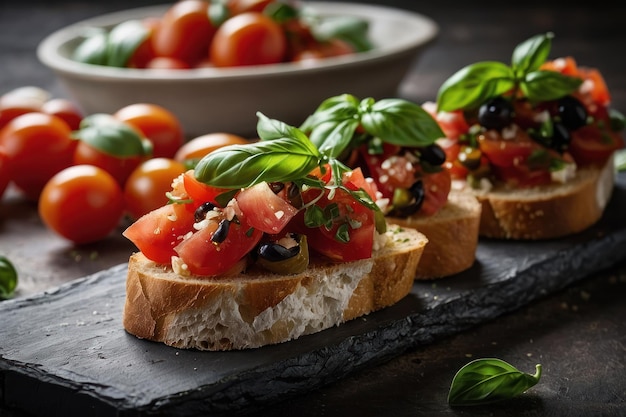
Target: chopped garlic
<point x="179" y="267"/>
<point x="564" y="174"/>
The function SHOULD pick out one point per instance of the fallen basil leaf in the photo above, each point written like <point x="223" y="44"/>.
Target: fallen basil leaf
<point x="484" y="381"/>
<point x="8" y="278"/>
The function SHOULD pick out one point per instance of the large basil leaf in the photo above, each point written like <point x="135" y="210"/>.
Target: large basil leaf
<point x="546" y="85"/>
<point x="531" y="54"/>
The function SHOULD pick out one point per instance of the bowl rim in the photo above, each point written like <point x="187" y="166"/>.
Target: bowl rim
<point x="48" y="48"/>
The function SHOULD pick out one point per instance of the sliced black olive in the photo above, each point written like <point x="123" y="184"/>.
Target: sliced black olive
<point x="201" y="211"/>
<point x="221" y="232"/>
<point x="294" y="195"/>
<point x="470" y="157"/>
<point x="433" y="154"/>
<point x="572" y="112"/>
<point x="281" y="260"/>
<point x="277" y="187"/>
<point x="561" y="137"/>
<point x="495" y="113"/>
<point x="407" y="201"/>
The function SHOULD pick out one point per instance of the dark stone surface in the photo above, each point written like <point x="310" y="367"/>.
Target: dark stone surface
<point x="81" y="360"/>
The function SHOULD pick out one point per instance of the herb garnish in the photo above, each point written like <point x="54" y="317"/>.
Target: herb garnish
<point x="8" y="278"/>
<point x="472" y="85"/>
<point x="484" y="381"/>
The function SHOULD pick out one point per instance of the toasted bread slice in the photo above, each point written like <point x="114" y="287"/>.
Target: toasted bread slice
<point x="259" y="308"/>
<point x="452" y="235"/>
<point x="549" y="211"/>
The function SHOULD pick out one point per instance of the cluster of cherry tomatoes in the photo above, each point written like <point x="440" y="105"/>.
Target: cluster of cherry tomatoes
<point x="222" y="33"/>
<point x="89" y="173"/>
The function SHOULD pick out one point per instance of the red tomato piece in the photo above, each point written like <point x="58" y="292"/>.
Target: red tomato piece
<point x="263" y="209"/>
<point x="159" y="231"/>
<point x="248" y="39"/>
<point x="436" y="189"/>
<point x="199" y="192"/>
<point x="592" y="145"/>
<point x="64" y="109"/>
<point x="204" y="257"/>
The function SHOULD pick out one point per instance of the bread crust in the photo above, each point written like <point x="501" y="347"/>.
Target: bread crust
<point x="550" y="211"/>
<point x="256" y="309"/>
<point x="452" y="235"/>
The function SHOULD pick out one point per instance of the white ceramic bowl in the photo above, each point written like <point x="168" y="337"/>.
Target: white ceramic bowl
<point x="227" y="99"/>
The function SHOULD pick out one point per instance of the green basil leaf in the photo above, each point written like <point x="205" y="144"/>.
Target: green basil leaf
<point x="284" y="154"/>
<point x="218" y="13"/>
<point x="8" y="278"/>
<point x="93" y="49"/>
<point x="544" y="85"/>
<point x="617" y="121"/>
<point x="531" y="54"/>
<point x="333" y="109"/>
<point x="332" y="138"/>
<point x="111" y="136"/>
<point x="400" y="122"/>
<point x="484" y="381"/>
<point x="280" y="12"/>
<point x="351" y="29"/>
<point x="469" y="87"/>
<point x="124" y="39"/>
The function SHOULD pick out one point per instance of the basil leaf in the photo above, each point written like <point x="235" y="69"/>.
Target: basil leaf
<point x="270" y="129"/>
<point x="400" y="122"/>
<point x="93" y="49"/>
<point x="546" y="85"/>
<point x="617" y="121"/>
<point x="351" y="29"/>
<point x="469" y="87"/>
<point x="124" y="39"/>
<point x="531" y="54"/>
<point x="278" y="159"/>
<point x="484" y="381"/>
<point x="8" y="278"/>
<point x="111" y="136"/>
<point x="332" y="110"/>
<point x="218" y="13"/>
<point x="334" y="137"/>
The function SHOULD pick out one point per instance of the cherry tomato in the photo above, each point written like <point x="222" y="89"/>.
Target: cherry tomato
<point x="38" y="146"/>
<point x="82" y="203"/>
<point x="248" y="39"/>
<point x="158" y="125"/>
<point x="5" y="177"/>
<point x="145" y="189"/>
<point x="198" y="147"/>
<point x="185" y="31"/>
<point x="64" y="109"/>
<point x="321" y="50"/>
<point x="241" y="6"/>
<point x="159" y="231"/>
<point x="119" y="168"/>
<point x="436" y="189"/>
<point x="20" y="101"/>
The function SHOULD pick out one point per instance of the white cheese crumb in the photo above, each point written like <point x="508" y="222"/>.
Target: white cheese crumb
<point x="564" y="174"/>
<point x="180" y="267"/>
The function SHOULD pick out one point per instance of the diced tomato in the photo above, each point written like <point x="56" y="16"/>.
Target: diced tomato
<point x="389" y="169"/>
<point x="592" y="145"/>
<point x="200" y="192"/>
<point x="436" y="189"/>
<point x="204" y="257"/>
<point x="158" y="232"/>
<point x="355" y="180"/>
<point x="509" y="152"/>
<point x="263" y="209"/>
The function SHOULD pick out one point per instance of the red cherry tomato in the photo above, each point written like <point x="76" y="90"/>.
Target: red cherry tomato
<point x="594" y="145"/>
<point x="5" y="177"/>
<point x="248" y="39"/>
<point x="185" y="31"/>
<point x="119" y="168"/>
<point x="241" y="6"/>
<point x="38" y="145"/>
<point x="64" y="109"/>
<point x="158" y="125"/>
<point x="20" y="101"/>
<point x="82" y="203"/>
<point x="145" y="189"/>
<point x="200" y="146"/>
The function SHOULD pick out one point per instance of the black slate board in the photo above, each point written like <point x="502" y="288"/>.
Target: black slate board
<point x="64" y="352"/>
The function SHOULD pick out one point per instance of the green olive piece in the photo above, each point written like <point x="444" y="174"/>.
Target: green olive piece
<point x="293" y="265"/>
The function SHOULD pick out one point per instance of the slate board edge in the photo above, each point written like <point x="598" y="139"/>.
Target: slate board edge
<point x="264" y="386"/>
